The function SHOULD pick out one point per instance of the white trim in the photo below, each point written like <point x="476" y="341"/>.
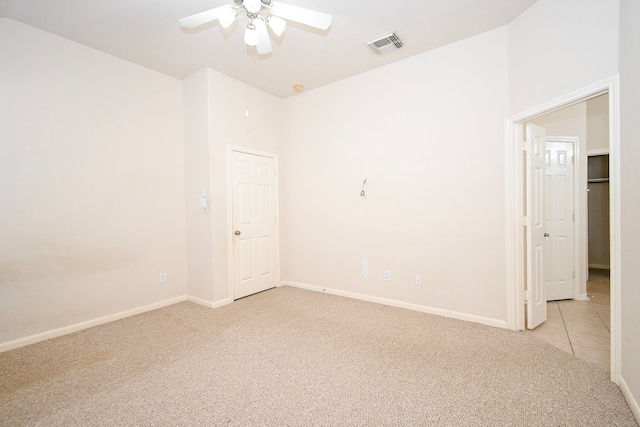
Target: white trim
<point x="515" y="199"/>
<point x="246" y="150"/>
<point x="633" y="404"/>
<point x="221" y="303"/>
<point x="200" y="301"/>
<point x="598" y="152"/>
<point x="575" y="97"/>
<point x="513" y="182"/>
<point x="401" y="304"/>
<point x="582" y="297"/>
<point x="54" y="333"/>
<point x="615" y="231"/>
<point x="209" y="304"/>
<point x="238" y="149"/>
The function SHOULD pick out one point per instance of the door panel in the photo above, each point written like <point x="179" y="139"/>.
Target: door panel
<point x="536" y="209"/>
<point x="559" y="223"/>
<point x="254" y="220"/>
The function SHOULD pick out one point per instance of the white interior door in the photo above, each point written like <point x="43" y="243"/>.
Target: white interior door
<point x="254" y="221"/>
<point x="559" y="219"/>
<point x="535" y="205"/>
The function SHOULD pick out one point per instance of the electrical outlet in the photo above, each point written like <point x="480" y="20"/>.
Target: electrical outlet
<point x="418" y="280"/>
<point x="387" y="276"/>
<point x="163" y="277"/>
<point x="365" y="272"/>
<point x="365" y="263"/>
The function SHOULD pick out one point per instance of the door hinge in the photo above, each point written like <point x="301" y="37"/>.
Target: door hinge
<point x="526" y="221"/>
<point x="525" y="145"/>
<point x="527" y="296"/>
<point x="573" y="274"/>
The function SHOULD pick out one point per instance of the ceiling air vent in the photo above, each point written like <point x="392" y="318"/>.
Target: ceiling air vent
<point x="385" y="43"/>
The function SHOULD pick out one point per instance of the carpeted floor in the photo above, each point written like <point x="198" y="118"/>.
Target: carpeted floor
<point x="290" y="357"/>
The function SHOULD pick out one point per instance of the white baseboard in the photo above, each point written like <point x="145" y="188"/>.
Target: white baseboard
<point x="209" y="304"/>
<point x="400" y="304"/>
<point x="222" y="303"/>
<point x="633" y="403"/>
<point x="43" y="336"/>
<point x="200" y="301"/>
<point x="582" y="297"/>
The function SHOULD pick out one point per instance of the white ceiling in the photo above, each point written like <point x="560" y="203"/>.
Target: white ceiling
<point x="147" y="32"/>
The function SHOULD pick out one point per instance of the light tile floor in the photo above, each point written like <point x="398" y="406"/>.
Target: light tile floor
<point x="581" y="328"/>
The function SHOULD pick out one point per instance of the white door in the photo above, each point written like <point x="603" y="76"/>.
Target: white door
<point x="254" y="222"/>
<point x="535" y="201"/>
<point x="559" y="219"/>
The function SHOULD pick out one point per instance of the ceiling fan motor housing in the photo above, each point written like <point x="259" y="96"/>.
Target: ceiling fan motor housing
<point x="264" y="2"/>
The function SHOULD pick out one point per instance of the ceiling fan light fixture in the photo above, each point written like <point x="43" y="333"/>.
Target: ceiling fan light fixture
<point x="264" y="44"/>
<point x="252" y="6"/>
<point x="227" y="16"/>
<point x="276" y="24"/>
<point x="260" y="14"/>
<point x="251" y="35"/>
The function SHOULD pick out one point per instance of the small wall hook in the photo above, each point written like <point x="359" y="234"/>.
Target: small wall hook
<point x="362" y="193"/>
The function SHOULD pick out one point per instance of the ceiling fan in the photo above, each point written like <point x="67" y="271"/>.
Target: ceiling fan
<point x="260" y="13"/>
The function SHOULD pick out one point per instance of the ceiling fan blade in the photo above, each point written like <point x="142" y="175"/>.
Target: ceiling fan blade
<point x="204" y="17"/>
<point x="264" y="44"/>
<point x="304" y="16"/>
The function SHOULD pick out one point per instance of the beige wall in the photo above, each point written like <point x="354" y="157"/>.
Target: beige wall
<point x="427" y="134"/>
<point x="93" y="179"/>
<point x="598" y="123"/>
<point x="91" y="183"/>
<point x="556" y="47"/>
<point x="197" y="177"/>
<point x="630" y="197"/>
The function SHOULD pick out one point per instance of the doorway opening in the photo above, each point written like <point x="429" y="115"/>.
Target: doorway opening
<point x="517" y="215"/>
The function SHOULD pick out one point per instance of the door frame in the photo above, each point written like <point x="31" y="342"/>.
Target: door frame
<point x="514" y="206"/>
<point x="230" y="229"/>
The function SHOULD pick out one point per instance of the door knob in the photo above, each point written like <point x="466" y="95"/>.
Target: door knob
<point x="545" y="234"/>
<point x="237" y="232"/>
